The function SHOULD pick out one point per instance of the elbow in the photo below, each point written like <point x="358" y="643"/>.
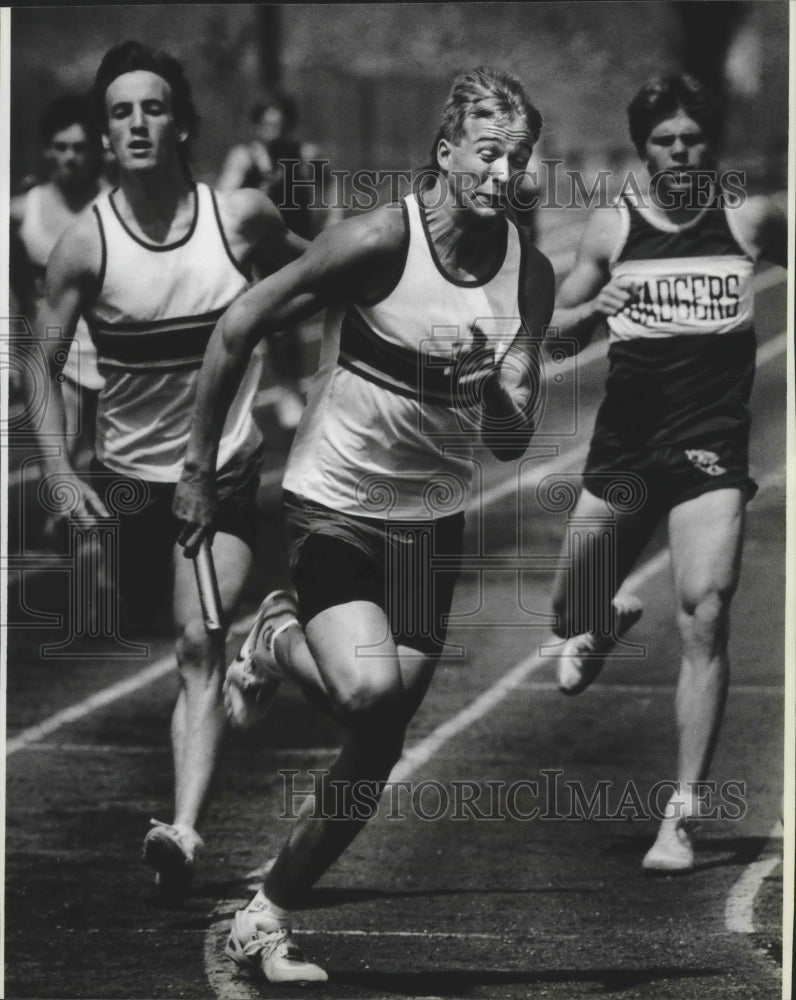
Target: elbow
<point x="236" y="329"/>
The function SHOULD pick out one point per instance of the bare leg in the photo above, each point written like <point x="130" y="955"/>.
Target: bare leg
<point x="198" y="722"/>
<point x="375" y="697"/>
<point x="706" y="538"/>
<point x="593" y="611"/>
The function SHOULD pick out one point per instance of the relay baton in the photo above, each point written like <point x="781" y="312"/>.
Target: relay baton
<point x="207" y="584"/>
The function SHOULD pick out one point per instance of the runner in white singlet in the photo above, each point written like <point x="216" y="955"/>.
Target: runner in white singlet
<point x="38" y="219"/>
<point x="436" y="306"/>
<point x="671" y="273"/>
<point x="151" y="267"/>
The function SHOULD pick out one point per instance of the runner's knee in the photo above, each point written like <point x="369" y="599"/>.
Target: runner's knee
<point x="196" y="650"/>
<point x="703" y="618"/>
<point x="363" y="699"/>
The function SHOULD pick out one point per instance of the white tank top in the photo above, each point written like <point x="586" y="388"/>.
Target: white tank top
<point x="152" y="317"/>
<point x="381" y="436"/>
<point x="39" y="242"/>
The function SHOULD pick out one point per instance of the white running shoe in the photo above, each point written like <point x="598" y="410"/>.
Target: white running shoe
<point x="262" y="945"/>
<point x="253" y="677"/>
<point x="583" y="656"/>
<point x="172" y="851"/>
<point x="673" y="850"/>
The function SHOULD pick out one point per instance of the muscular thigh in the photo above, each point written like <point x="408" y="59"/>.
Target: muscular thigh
<point x="355" y="653"/>
<point x="405" y="570"/>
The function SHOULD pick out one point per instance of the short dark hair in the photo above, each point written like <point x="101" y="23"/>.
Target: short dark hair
<point x="484" y="93"/>
<point x="276" y="99"/>
<point x="666" y="95"/>
<point x="66" y="110"/>
<point x="130" y="56"/>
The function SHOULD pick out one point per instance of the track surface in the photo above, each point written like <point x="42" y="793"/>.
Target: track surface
<point x="475" y="907"/>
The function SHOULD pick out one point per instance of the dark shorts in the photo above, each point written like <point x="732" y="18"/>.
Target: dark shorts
<point x="670" y="475"/>
<point x="148" y="530"/>
<point x="408" y="568"/>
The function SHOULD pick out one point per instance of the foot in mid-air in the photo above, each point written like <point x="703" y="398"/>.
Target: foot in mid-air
<point x="583" y="656"/>
<point x="253" y="677"/>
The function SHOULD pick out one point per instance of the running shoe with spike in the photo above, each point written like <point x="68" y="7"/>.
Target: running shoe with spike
<point x="172" y="851"/>
<point x="253" y="677"/>
<point x="583" y="656"/>
<point x="263" y="946"/>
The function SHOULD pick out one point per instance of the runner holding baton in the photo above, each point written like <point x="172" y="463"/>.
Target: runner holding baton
<point x="207" y="585"/>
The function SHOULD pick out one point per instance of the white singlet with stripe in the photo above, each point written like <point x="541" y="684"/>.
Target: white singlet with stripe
<point x="382" y="435"/>
<point x="155" y="309"/>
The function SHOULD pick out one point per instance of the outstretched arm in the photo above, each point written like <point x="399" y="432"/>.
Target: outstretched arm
<point x="71" y="271"/>
<point x="342" y="264"/>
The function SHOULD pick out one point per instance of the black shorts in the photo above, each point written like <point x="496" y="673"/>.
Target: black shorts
<point x="671" y="474"/>
<point x="148" y="529"/>
<point x="408" y="568"/>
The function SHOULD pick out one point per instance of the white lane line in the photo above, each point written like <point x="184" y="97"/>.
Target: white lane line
<point x="278" y="753"/>
<point x="148" y="675"/>
<point x="96" y="701"/>
<point x="739" y="908"/>
<point x="161" y="667"/>
<point x="460" y="935"/>
<point x="605" y="687"/>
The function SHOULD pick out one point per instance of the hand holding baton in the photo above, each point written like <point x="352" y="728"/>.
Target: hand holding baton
<point x="207" y="584"/>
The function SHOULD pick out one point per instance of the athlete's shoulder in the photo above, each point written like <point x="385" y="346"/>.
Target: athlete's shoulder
<point x="245" y="204"/>
<point x="83" y="236"/>
<point x="18" y="207"/>
<point x="76" y="259"/>
<point x="248" y="215"/>
<point x="602" y="233"/>
<point x="380" y="232"/>
<point x="761" y="226"/>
